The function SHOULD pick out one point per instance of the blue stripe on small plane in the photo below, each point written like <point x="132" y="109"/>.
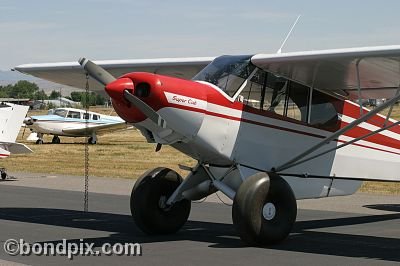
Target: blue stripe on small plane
<point x="62" y="119"/>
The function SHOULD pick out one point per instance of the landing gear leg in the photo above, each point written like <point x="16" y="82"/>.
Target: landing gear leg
<point x="92" y="139"/>
<point x="264" y="209"/>
<point x="3" y="173"/>
<point x="56" y="140"/>
<point x="40" y="138"/>
<point x="148" y="202"/>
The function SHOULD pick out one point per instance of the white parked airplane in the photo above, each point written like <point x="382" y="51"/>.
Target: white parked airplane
<point x="11" y="118"/>
<point x="71" y="122"/>
<point x="266" y="129"/>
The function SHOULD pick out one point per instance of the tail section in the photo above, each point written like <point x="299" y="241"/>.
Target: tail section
<point x="4" y="153"/>
<point x="11" y="119"/>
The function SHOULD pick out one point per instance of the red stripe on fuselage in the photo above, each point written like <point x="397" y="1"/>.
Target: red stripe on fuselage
<point x="353" y="135"/>
<point x="352" y="110"/>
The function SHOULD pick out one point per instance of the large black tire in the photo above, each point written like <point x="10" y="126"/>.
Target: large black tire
<point x="247" y="211"/>
<point x="56" y="140"/>
<point x="3" y="175"/>
<point x="148" y="194"/>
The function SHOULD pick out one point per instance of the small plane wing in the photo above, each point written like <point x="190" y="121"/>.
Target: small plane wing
<point x="99" y="129"/>
<point x="73" y="74"/>
<point x="335" y="71"/>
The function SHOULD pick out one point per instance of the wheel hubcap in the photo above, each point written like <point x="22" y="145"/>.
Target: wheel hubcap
<point x="269" y="211"/>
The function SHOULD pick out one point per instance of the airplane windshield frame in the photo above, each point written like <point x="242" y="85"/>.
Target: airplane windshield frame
<point x="60" y="112"/>
<point x="227" y="72"/>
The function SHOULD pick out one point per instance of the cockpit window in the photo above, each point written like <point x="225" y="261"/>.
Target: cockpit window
<point x="74" y="114"/>
<point x="60" y="112"/>
<point x="227" y="72"/>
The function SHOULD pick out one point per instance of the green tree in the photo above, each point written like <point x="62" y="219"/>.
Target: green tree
<point x="100" y="99"/>
<point x="40" y="95"/>
<point x="76" y="96"/>
<point x="54" y="95"/>
<point x="92" y="99"/>
<point x="3" y="92"/>
<point x="23" y="89"/>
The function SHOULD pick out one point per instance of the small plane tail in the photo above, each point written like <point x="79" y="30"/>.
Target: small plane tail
<point x="4" y="153"/>
<point x="11" y="119"/>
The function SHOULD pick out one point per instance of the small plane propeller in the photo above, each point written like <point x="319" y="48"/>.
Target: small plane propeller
<point x="105" y="78"/>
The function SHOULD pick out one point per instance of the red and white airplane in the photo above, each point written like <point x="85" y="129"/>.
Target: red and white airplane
<point x="266" y="129"/>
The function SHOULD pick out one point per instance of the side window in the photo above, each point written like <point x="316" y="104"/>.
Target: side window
<point x="275" y="95"/>
<point x="286" y="98"/>
<point x="268" y="92"/>
<point x="323" y="111"/>
<point x="251" y="94"/>
<point x="297" y="103"/>
<point x="96" y="117"/>
<point x="86" y="116"/>
<point x="73" y="114"/>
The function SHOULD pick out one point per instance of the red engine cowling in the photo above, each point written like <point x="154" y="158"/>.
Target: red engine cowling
<point x="150" y="89"/>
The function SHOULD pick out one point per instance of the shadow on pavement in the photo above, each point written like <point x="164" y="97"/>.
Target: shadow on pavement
<point x="305" y="237"/>
<point x="385" y="207"/>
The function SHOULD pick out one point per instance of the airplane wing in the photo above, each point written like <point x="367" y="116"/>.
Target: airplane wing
<point x="335" y="71"/>
<point x="99" y="129"/>
<point x="72" y="73"/>
<point x="15" y="148"/>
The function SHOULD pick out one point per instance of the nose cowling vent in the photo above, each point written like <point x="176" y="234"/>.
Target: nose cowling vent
<point x="142" y="89"/>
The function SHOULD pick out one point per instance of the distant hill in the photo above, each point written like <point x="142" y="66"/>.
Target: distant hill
<point x="12" y="77"/>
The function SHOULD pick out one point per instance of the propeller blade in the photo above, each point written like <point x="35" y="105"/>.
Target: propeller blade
<point x="96" y="72"/>
<point x="144" y="108"/>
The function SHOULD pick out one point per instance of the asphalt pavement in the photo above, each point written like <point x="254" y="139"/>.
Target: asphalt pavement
<point x="360" y="229"/>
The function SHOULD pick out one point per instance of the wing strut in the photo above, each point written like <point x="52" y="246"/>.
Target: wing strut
<point x="391" y="109"/>
<point x="336" y="134"/>
<point x="344" y="144"/>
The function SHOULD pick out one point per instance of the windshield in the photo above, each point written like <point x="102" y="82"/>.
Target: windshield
<point x="60" y="112"/>
<point x="227" y="72"/>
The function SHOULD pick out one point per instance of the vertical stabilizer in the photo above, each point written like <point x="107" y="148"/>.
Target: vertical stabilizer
<point x="11" y="119"/>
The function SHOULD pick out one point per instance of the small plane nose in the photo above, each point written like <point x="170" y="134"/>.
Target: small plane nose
<point x="28" y="121"/>
<point x="116" y="88"/>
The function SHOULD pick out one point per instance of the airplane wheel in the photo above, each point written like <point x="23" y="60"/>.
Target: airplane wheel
<point x="39" y="141"/>
<point x="264" y="209"/>
<point x="91" y="141"/>
<point x="148" y="198"/>
<point x="56" y="140"/>
<point x="3" y="175"/>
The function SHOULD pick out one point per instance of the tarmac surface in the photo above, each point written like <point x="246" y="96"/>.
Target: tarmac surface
<point x="352" y="230"/>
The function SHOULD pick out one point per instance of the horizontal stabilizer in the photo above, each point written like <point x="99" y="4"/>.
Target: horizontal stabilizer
<point x="16" y="148"/>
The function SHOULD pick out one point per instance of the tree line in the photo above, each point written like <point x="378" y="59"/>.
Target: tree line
<point x="25" y="89"/>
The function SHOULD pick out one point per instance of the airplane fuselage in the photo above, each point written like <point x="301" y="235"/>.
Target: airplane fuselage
<point x="70" y="122"/>
<point x="212" y="128"/>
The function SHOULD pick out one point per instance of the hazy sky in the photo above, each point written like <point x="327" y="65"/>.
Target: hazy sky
<point x="50" y="31"/>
